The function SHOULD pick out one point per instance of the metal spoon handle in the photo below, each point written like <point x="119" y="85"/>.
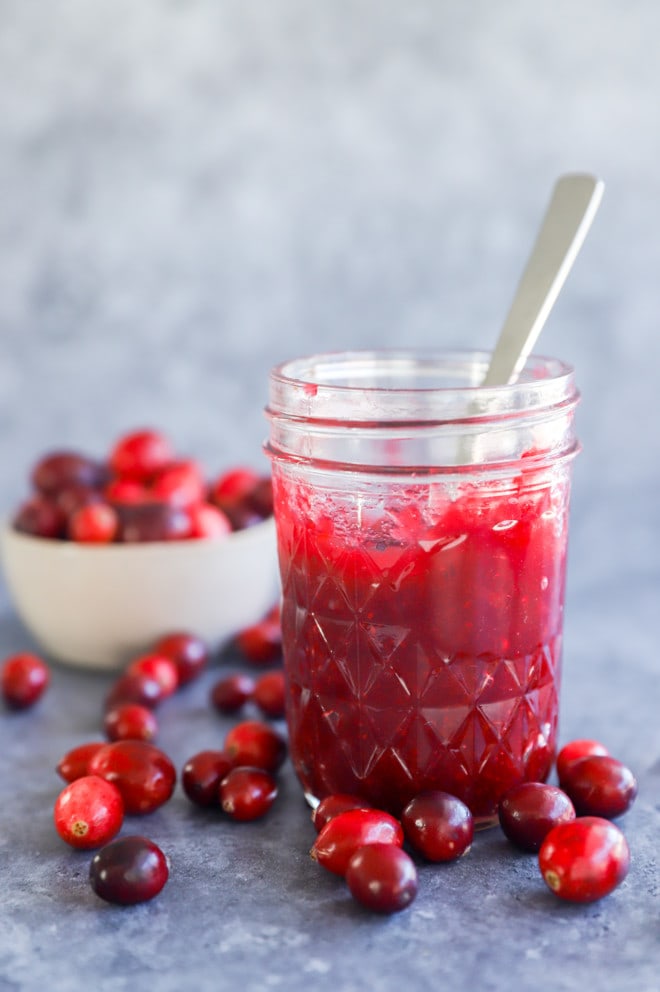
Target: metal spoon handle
<point x="572" y="208"/>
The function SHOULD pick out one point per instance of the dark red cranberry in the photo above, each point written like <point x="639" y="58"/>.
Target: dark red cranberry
<point x="339" y="839"/>
<point x="128" y="870"/>
<point x="189" y="653"/>
<point x="93" y="523"/>
<point x="75" y="763"/>
<point x="270" y="694"/>
<point x="529" y="811"/>
<point x="179" y="484"/>
<point x="73" y="497"/>
<point x="130" y="721"/>
<point x="135" y="687"/>
<point x="260" y="497"/>
<point x="600" y="786"/>
<point x="382" y="877"/>
<point x="247" y="793"/>
<point x="145" y="522"/>
<point x="574" y="751"/>
<point x="158" y="667"/>
<point x="585" y="859"/>
<point x="40" y="517"/>
<point x="255" y="744"/>
<point x="23" y="678"/>
<point x="144" y="775"/>
<point x="140" y="454"/>
<point x="261" y="643"/>
<point x="88" y="812"/>
<point x="61" y="469"/>
<point x="231" y="693"/>
<point x="335" y="804"/>
<point x="438" y="825"/>
<point x="202" y="775"/>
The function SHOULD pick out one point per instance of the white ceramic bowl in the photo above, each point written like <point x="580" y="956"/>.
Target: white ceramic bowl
<point x="96" y="607"/>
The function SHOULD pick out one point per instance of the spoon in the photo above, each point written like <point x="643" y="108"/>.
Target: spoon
<point x="572" y="208"/>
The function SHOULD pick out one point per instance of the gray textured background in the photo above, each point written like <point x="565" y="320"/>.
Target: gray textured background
<point x="191" y="191"/>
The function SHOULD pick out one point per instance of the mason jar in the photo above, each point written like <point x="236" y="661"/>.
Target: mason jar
<point x="422" y="525"/>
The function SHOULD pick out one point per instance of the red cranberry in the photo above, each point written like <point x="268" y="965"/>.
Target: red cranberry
<point x="256" y="744"/>
<point x="585" y="859"/>
<point x="208" y="521"/>
<point x="202" y="775"/>
<point x="438" y="825"/>
<point x="247" y="793"/>
<point x="23" y="678"/>
<point x="261" y="643"/>
<point x="126" y="491"/>
<point x="94" y="523"/>
<point x="382" y="877"/>
<point x="140" y="454"/>
<point x="179" y="484"/>
<point x="75" y="763"/>
<point x="269" y="694"/>
<point x="144" y="775"/>
<point x="158" y="667"/>
<point x="232" y="489"/>
<point x="529" y="811"/>
<point x="574" y="751"/>
<point x="600" y="786"/>
<point x="128" y="871"/>
<point x="73" y="497"/>
<point x="88" y="812"/>
<point x="230" y="694"/>
<point x="340" y="838"/>
<point x="141" y="523"/>
<point x="40" y="517"/>
<point x="130" y="721"/>
<point x="189" y="653"/>
<point x="61" y="469"/>
<point x="135" y="687"/>
<point x="335" y="804"/>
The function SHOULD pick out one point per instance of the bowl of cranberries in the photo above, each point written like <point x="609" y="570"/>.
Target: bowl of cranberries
<point x="105" y="555"/>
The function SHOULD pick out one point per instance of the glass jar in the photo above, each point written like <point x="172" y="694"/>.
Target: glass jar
<point x="422" y="530"/>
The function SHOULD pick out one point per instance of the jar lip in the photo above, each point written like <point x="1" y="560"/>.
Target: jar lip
<point x="410" y="384"/>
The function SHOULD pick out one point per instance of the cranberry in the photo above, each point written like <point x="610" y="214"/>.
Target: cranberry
<point x="144" y="775"/>
<point x="145" y="522"/>
<point x="269" y="694"/>
<point x="158" y="667"/>
<point x="75" y="763"/>
<point x="189" y="653"/>
<point x="339" y="802"/>
<point x="438" y="825"/>
<point x="129" y="870"/>
<point x="88" y="812"/>
<point x="585" y="859"/>
<point x="94" y="523"/>
<point x="208" y="521"/>
<point x="530" y="810"/>
<point x="202" y="775"/>
<point x="257" y="744"/>
<point x="230" y="694"/>
<point x="340" y="838"/>
<point x="74" y="497"/>
<point x="261" y="643"/>
<point x="140" y="454"/>
<point x="130" y="721"/>
<point x="135" y="687"/>
<point x="232" y="489"/>
<point x="600" y="786"/>
<point x="382" y="877"/>
<point x="247" y="793"/>
<point x="574" y="751"/>
<point x="40" y="517"/>
<point x="179" y="484"/>
<point x="61" y="469"/>
<point x="23" y="678"/>
<point x="126" y="491"/>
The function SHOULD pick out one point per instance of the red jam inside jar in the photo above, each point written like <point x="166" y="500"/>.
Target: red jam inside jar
<point x="422" y="615"/>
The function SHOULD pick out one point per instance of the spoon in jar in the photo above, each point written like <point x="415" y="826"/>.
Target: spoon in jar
<point x="572" y="208"/>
